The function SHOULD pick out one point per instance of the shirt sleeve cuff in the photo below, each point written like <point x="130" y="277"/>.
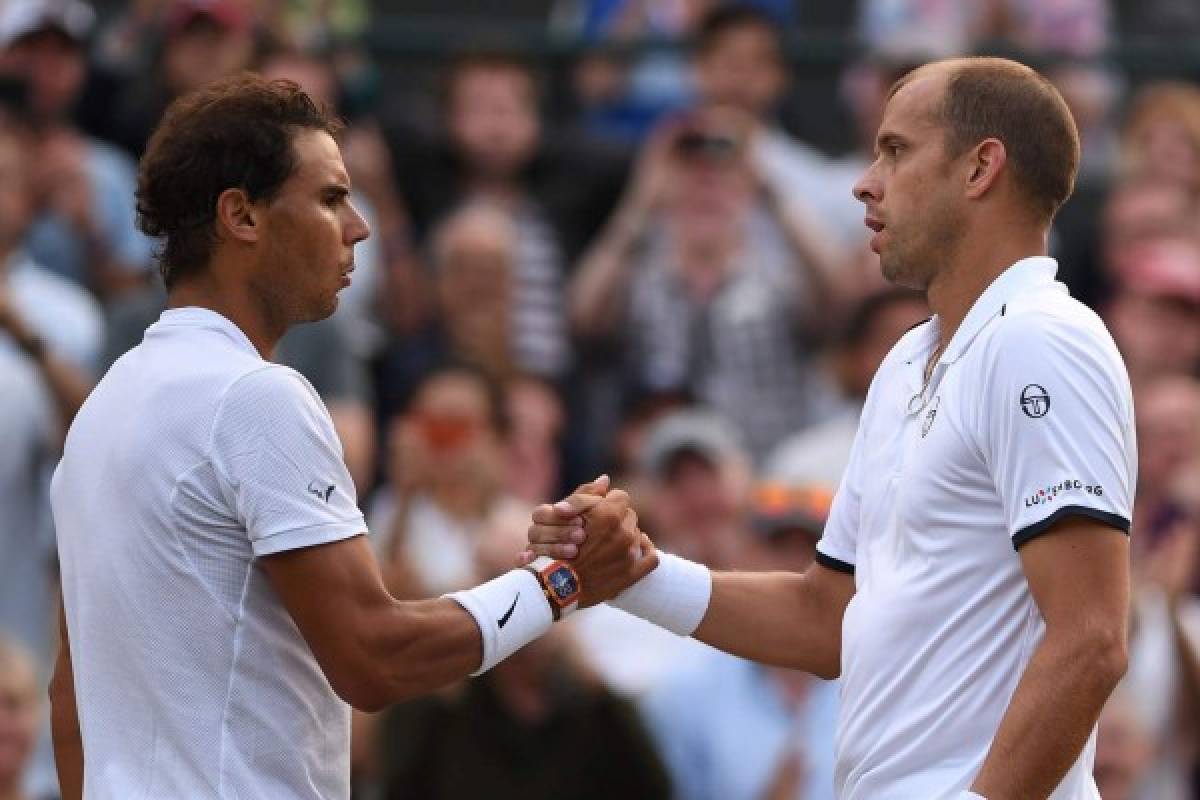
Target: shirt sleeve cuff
<point x="325" y="533"/>
<point x="829" y="562"/>
<point x="1036" y="529"/>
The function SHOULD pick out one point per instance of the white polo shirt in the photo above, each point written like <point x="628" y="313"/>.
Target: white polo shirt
<point x="1028" y="418"/>
<point x="192" y="459"/>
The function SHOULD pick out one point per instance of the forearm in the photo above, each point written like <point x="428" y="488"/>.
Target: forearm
<point x="1051" y="715"/>
<point x="1189" y="669"/>
<point x="68" y="386"/>
<point x="594" y="294"/>
<point x="817" y="255"/>
<point x="777" y="618"/>
<point x="415" y="648"/>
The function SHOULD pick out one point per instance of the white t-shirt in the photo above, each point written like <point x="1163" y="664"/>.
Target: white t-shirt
<point x="193" y="458"/>
<point x="1028" y="419"/>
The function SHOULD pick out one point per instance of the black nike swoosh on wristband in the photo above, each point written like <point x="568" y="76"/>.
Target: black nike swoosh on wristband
<point x="504" y="620"/>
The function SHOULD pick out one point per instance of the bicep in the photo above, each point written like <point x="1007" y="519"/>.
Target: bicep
<point x="1078" y="574"/>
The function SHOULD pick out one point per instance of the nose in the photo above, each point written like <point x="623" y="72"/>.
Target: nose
<point x="868" y="189"/>
<point x="357" y="229"/>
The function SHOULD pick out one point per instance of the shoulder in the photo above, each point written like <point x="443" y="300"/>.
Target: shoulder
<point x="269" y="383"/>
<point x="1054" y="327"/>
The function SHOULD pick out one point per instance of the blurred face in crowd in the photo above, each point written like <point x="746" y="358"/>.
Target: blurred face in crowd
<point x="18" y="716"/>
<point x="452" y="417"/>
<point x="1167" y="151"/>
<point x="15" y="202"/>
<point x="742" y="68"/>
<point x="1141" y="211"/>
<point x="313" y="75"/>
<point x="1154" y="318"/>
<point x="912" y="205"/>
<point x="858" y="362"/>
<point x="55" y="67"/>
<point x="205" y="50"/>
<point x="536" y="419"/>
<point x="1123" y="750"/>
<point x="492" y="119"/>
<point x="1168" y="429"/>
<point x="475" y="250"/>
<point x="698" y="505"/>
<point x="307" y="233"/>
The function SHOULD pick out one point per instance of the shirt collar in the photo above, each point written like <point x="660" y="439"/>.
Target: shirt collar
<point x="199" y="317"/>
<point x="1025" y="276"/>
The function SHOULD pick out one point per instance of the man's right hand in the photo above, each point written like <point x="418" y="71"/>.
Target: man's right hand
<point x="616" y="554"/>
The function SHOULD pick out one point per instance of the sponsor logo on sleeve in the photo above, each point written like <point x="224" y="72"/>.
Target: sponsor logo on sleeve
<point x="321" y="490"/>
<point x="1035" y="401"/>
<point x="1051" y="493"/>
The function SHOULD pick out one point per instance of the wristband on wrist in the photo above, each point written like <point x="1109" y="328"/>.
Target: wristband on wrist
<point x="511" y="611"/>
<point x="674" y="596"/>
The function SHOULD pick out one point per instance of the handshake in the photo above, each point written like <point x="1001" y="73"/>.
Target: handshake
<point x="596" y="530"/>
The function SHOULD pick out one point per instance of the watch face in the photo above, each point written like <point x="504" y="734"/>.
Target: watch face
<point x="562" y="583"/>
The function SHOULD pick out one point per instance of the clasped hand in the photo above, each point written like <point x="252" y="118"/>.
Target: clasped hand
<point x="597" y="531"/>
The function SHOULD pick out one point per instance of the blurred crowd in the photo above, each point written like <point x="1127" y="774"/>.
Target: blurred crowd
<point x="654" y="277"/>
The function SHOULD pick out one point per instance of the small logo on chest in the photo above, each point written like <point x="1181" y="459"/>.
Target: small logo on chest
<point x="930" y="416"/>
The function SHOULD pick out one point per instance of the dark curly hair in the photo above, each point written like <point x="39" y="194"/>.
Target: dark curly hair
<point x="234" y="133"/>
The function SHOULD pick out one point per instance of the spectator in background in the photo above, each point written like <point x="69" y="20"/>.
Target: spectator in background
<point x="495" y="150"/>
<point x="84" y="226"/>
<point x="50" y="342"/>
<point x="536" y="422"/>
<point x="700" y="715"/>
<point x="695" y="478"/>
<point x="1124" y="750"/>
<point x="1163" y="679"/>
<point x="822" y="451"/>
<point x="471" y="320"/>
<point x="539" y="725"/>
<point x="445" y="474"/>
<point x="739" y="62"/>
<point x="1161" y="137"/>
<point x="202" y="40"/>
<point x="1154" y="313"/>
<point x="20" y="702"/>
<point x="711" y="291"/>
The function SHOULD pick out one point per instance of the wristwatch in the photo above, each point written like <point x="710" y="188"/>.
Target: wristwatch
<point x="560" y="583"/>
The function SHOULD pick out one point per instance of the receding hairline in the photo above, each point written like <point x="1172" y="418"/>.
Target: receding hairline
<point x="952" y="68"/>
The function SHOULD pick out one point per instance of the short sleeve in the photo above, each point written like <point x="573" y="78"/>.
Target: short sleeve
<point x="280" y="463"/>
<point x="1058" y="417"/>
<point x="836" y="549"/>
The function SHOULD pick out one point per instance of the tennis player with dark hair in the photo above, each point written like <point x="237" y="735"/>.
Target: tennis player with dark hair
<point x="223" y="610"/>
<point x="972" y="585"/>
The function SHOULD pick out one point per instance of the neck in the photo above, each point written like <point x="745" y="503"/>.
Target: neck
<point x="972" y="269"/>
<point x="237" y="303"/>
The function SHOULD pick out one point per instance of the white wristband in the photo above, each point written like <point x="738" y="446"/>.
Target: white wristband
<point x="969" y="795"/>
<point x="511" y="611"/>
<point x="674" y="596"/>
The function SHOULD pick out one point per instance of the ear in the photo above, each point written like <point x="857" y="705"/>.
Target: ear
<point x="985" y="165"/>
<point x="237" y="217"/>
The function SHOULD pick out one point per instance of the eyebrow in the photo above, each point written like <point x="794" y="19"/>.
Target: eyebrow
<point x="888" y="139"/>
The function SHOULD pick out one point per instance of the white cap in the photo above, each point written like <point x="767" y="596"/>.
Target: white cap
<point x="20" y="18"/>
